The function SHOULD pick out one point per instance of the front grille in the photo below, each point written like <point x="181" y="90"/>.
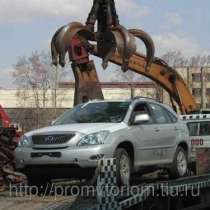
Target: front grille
<point x="51" y="139"/>
<point x="49" y="154"/>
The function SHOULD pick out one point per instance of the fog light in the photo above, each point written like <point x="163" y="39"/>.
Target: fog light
<point x="75" y="160"/>
<point x="96" y="157"/>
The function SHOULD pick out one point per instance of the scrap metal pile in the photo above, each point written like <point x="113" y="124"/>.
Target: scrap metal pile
<point x="7" y="164"/>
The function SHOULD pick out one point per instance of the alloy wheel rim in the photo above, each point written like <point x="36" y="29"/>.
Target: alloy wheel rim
<point x="125" y="169"/>
<point x="181" y="163"/>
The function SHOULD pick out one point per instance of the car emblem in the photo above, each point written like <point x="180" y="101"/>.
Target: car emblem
<point x="49" y="139"/>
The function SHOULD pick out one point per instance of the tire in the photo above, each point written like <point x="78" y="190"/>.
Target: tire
<point x="193" y="169"/>
<point x="123" y="167"/>
<point x="180" y="164"/>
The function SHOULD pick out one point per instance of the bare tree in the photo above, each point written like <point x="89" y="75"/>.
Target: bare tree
<point x="174" y="58"/>
<point x="36" y="79"/>
<point x="131" y="78"/>
<point x="199" y="63"/>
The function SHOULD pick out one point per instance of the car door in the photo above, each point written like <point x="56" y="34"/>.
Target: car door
<point x="167" y="132"/>
<point x="147" y="135"/>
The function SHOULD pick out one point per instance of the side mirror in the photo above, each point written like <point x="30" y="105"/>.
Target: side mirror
<point x="141" y="118"/>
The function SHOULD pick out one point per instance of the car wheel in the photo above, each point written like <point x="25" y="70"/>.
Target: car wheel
<point x="123" y="167"/>
<point x="180" y="164"/>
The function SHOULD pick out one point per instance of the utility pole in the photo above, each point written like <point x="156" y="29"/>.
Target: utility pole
<point x="132" y="88"/>
<point x="202" y="88"/>
<point x="188" y="76"/>
<point x="55" y="91"/>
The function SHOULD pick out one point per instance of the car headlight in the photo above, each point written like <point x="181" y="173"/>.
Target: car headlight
<point x="24" y="142"/>
<point x="94" y="138"/>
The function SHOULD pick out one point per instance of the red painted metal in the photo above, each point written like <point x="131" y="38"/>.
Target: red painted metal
<point x="77" y="51"/>
<point x="5" y="119"/>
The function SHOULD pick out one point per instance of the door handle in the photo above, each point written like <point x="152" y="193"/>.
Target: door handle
<point x="157" y="129"/>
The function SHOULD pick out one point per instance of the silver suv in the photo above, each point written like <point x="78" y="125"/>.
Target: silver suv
<point x="141" y="134"/>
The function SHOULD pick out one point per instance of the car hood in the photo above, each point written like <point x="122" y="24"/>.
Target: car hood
<point x="84" y="128"/>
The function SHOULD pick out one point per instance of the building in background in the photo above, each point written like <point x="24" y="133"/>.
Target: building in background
<point x="10" y="98"/>
<point x="40" y="107"/>
<point x="198" y="81"/>
<point x="37" y="108"/>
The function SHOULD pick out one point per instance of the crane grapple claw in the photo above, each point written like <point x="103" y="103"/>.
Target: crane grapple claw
<point x="62" y="41"/>
<point x="147" y="40"/>
<point x="110" y="37"/>
<point x="118" y="39"/>
<point x="110" y="41"/>
<point x="126" y="45"/>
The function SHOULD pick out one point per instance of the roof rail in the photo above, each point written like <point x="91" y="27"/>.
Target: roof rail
<point x="195" y="117"/>
<point x="142" y="97"/>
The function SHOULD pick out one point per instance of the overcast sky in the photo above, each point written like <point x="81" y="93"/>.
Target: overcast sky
<point x="28" y="25"/>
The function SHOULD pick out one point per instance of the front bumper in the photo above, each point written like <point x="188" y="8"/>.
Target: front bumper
<point x="81" y="157"/>
<point x="61" y="171"/>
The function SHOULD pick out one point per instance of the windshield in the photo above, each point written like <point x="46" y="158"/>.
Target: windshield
<point x="97" y="112"/>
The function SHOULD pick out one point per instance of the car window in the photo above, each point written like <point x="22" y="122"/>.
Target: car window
<point x="141" y="108"/>
<point x="168" y="117"/>
<point x="95" y="112"/>
<point x="204" y="128"/>
<point x="193" y="128"/>
<point x="173" y="118"/>
<point x="159" y="114"/>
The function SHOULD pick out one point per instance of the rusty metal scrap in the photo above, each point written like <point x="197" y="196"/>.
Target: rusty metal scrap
<point x="7" y="164"/>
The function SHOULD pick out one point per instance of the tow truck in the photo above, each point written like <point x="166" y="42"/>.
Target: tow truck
<point x="190" y="193"/>
<point x="199" y="129"/>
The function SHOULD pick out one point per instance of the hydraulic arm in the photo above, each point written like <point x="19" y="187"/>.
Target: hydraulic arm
<point x="166" y="77"/>
<point x="113" y="42"/>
